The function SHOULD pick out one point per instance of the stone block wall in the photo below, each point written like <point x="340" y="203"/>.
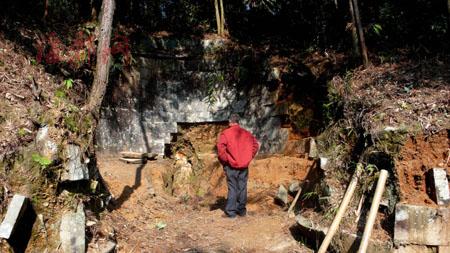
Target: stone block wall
<point x="184" y="82"/>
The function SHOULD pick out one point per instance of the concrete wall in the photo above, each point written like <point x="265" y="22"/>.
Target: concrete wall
<point x="185" y="81"/>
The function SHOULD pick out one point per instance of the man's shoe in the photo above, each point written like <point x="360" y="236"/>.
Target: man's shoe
<point x="228" y="216"/>
<point x="242" y="214"/>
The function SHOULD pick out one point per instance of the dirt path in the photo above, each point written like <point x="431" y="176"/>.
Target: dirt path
<point x="191" y="225"/>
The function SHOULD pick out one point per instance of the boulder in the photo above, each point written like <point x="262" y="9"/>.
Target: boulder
<point x="75" y="169"/>
<point x="72" y="231"/>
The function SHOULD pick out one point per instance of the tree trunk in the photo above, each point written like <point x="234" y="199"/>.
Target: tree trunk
<point x="356" y="51"/>
<point x="218" y="20"/>
<point x="103" y="58"/>
<point x="448" y="17"/>
<point x="222" y="18"/>
<point x="44" y="17"/>
<point x="362" y="41"/>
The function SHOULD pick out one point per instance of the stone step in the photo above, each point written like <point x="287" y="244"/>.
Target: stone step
<point x="15" y="210"/>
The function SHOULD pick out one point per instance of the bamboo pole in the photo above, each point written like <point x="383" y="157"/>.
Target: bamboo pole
<point x="344" y="204"/>
<point x="373" y="211"/>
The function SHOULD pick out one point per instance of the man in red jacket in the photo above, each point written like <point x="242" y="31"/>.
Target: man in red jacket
<point x="236" y="148"/>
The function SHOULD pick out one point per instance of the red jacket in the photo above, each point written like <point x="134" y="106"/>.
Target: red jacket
<point x="237" y="147"/>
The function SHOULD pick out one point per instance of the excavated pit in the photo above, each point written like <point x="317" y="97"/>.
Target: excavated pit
<point x="196" y="173"/>
<point x="187" y="193"/>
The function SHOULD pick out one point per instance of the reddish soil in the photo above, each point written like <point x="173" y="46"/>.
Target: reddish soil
<point x="197" y="225"/>
<point x="420" y="154"/>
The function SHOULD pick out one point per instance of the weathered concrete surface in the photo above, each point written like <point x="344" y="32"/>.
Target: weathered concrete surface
<point x="16" y="208"/>
<point x="75" y="169"/>
<point x="72" y="231"/>
<point x="421" y="225"/>
<point x="438" y="183"/>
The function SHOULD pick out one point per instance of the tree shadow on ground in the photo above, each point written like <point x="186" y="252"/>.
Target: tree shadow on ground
<point x="128" y="190"/>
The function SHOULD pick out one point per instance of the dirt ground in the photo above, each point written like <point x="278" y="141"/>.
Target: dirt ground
<point x="197" y="225"/>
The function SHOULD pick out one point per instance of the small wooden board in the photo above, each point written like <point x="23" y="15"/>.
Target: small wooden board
<point x="133" y="160"/>
<point x="133" y="155"/>
<point x="136" y="155"/>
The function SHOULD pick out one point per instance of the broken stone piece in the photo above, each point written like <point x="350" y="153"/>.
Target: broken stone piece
<point x="421" y="225"/>
<point x="323" y="163"/>
<point x="75" y="170"/>
<point x="45" y="144"/>
<point x="109" y="247"/>
<point x="312" y="151"/>
<point x="282" y="195"/>
<point x="414" y="249"/>
<point x="16" y="208"/>
<point x="438" y="186"/>
<point x="72" y="231"/>
<point x="294" y="186"/>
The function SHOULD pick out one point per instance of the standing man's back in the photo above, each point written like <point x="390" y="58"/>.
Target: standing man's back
<point x="236" y="148"/>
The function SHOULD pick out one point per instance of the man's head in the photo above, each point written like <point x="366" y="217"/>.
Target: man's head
<point x="233" y="119"/>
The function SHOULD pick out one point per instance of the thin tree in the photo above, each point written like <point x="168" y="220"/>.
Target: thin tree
<point x="103" y="58"/>
<point x="218" y="19"/>
<point x="355" y="40"/>
<point x="362" y="41"/>
<point x="222" y="18"/>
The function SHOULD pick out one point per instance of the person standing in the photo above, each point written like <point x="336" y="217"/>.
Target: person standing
<point x="236" y="148"/>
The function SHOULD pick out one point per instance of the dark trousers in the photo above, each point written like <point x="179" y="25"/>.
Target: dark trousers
<point x="237" y="191"/>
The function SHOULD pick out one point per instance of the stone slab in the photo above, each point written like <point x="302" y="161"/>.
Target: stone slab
<point x="312" y="150"/>
<point x="75" y="169"/>
<point x="438" y="186"/>
<point x="421" y="225"/>
<point x="16" y="208"/>
<point x="72" y="231"/>
<point x="282" y="195"/>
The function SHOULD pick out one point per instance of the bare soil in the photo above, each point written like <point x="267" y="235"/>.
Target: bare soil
<point x="420" y="154"/>
<point x="196" y="224"/>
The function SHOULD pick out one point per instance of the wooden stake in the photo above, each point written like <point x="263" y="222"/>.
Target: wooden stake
<point x="373" y="211"/>
<point x="294" y="201"/>
<point x="344" y="204"/>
